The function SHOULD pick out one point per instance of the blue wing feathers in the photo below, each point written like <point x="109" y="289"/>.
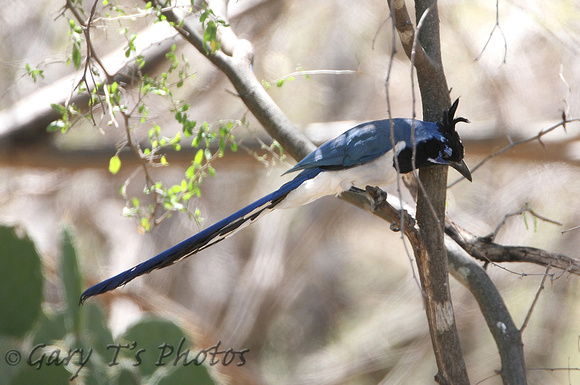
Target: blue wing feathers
<point x="205" y="238"/>
<point x="359" y="145"/>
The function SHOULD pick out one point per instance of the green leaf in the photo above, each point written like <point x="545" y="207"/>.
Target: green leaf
<point x="34" y="72"/>
<point x="71" y="280"/>
<point x="190" y="172"/>
<point x="76" y="55"/>
<point x="95" y="328"/>
<point x="194" y="374"/>
<point x="149" y="334"/>
<point x="21" y="283"/>
<point x="47" y="375"/>
<point x="210" y="40"/>
<point x="127" y="377"/>
<point x="50" y="327"/>
<point x="55" y="126"/>
<point x="59" y="108"/>
<point x="114" y="164"/>
<point x="198" y="157"/>
<point x="145" y="224"/>
<point x="203" y="17"/>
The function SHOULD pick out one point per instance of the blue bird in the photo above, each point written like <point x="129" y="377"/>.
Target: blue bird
<point x="362" y="156"/>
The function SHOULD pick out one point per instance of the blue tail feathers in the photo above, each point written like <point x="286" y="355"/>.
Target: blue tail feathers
<point x="205" y="238"/>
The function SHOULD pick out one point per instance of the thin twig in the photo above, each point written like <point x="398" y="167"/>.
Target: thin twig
<point x="535" y="301"/>
<point x="553" y="369"/>
<point x="86" y="26"/>
<point x="521" y="211"/>
<point x="498" y="27"/>
<point x="512" y="144"/>
<point x="570" y="229"/>
<point x="90" y="56"/>
<point x="379" y="30"/>
<point x="134" y="16"/>
<point x="414" y="275"/>
<point x="317" y="72"/>
<point x="485" y="250"/>
<point x="528" y="369"/>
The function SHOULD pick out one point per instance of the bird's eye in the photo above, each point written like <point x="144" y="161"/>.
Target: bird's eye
<point x="447" y="153"/>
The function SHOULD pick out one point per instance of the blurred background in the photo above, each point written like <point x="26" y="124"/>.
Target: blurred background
<point x="322" y="294"/>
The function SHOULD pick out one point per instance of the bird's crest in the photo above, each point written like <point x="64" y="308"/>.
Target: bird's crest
<point x="449" y="121"/>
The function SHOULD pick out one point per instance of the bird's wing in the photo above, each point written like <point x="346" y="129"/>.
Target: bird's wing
<point x="359" y="145"/>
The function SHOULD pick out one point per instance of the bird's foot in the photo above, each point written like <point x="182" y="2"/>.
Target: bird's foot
<point x="377" y="197"/>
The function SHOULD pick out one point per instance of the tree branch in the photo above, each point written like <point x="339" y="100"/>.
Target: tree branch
<point x="473" y="277"/>
<point x="537" y="137"/>
<point x="535" y="301"/>
<point x="235" y="61"/>
<point x="499" y="321"/>
<point x="485" y="250"/>
<point x="26" y="120"/>
<point x="425" y="56"/>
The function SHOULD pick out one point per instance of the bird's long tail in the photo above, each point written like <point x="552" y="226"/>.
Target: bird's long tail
<point x="205" y="238"/>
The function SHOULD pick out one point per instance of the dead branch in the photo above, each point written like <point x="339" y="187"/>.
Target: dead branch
<point x="522" y="211"/>
<point x="498" y="27"/>
<point x="484" y="249"/>
<point x="535" y="301"/>
<point x="571" y="229"/>
<point x="499" y="321"/>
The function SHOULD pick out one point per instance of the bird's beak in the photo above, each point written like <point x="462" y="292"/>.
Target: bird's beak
<point x="462" y="168"/>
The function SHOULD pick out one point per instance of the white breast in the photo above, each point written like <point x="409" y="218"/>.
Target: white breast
<point x="379" y="172"/>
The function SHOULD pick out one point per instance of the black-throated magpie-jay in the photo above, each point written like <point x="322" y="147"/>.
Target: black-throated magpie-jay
<point x="362" y="156"/>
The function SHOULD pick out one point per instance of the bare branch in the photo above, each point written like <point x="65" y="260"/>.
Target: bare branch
<point x="86" y="26"/>
<point x="235" y="61"/>
<point x="406" y="31"/>
<point x="535" y="301"/>
<point x="498" y="27"/>
<point x="472" y="276"/>
<point x="316" y="72"/>
<point x="571" y="229"/>
<point x="29" y="116"/>
<point x="487" y="251"/>
<point x="424" y="50"/>
<point x="499" y="321"/>
<point x="523" y="210"/>
<point x="512" y="144"/>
